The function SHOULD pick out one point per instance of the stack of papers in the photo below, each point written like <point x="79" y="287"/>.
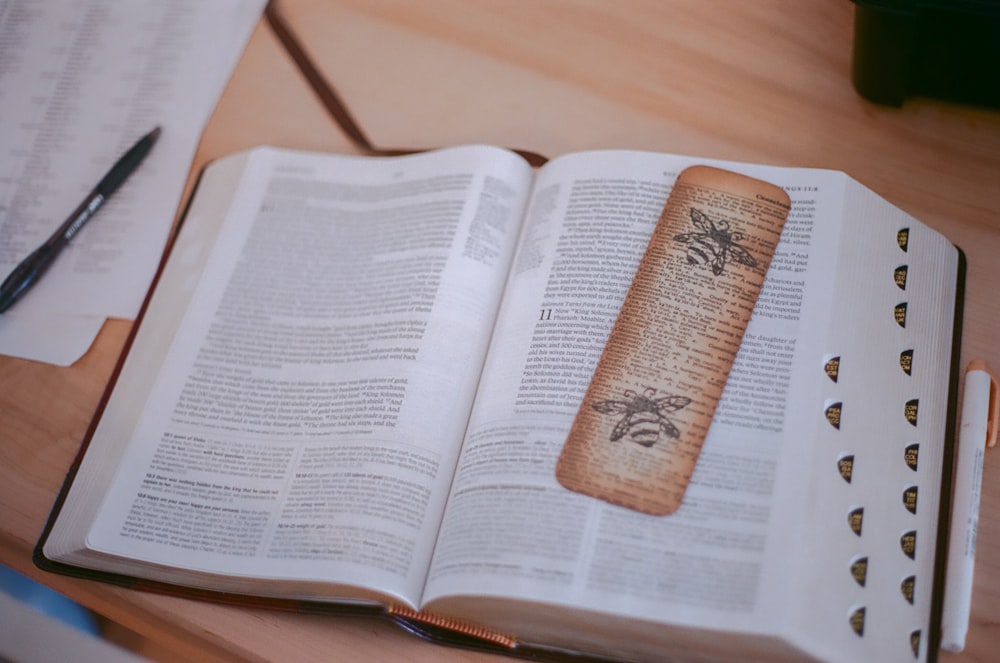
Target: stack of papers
<point x="80" y="82"/>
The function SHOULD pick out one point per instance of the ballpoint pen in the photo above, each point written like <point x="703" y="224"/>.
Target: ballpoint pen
<point x="29" y="270"/>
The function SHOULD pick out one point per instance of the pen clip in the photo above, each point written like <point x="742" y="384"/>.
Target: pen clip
<point x="993" y="404"/>
<point x="993" y="419"/>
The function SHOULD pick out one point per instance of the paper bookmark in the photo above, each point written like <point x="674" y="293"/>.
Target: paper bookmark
<point x="641" y="426"/>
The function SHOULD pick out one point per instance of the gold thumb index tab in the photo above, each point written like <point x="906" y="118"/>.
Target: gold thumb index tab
<point x="642" y="423"/>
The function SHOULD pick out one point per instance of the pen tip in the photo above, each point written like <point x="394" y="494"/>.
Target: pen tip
<point x="155" y="133"/>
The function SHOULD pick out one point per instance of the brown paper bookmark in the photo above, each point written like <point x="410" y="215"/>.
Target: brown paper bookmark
<point x="641" y="426"/>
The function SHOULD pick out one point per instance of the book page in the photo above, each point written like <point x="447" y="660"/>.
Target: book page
<point x="308" y="411"/>
<point x="879" y="445"/>
<point x="512" y="531"/>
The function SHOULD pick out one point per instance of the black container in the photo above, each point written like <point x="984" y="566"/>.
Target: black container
<point x="948" y="49"/>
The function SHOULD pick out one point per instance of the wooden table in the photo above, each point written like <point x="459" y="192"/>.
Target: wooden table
<point x="767" y="81"/>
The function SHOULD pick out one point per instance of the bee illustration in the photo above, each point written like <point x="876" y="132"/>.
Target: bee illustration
<point x="644" y="418"/>
<point x="715" y="244"/>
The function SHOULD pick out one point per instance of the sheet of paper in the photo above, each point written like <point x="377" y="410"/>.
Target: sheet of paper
<point x="53" y="339"/>
<point x="80" y="82"/>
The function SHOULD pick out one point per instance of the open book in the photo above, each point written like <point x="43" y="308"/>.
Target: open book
<point x="354" y="377"/>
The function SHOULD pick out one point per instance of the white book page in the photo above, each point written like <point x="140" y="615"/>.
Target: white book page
<point x="308" y="412"/>
<point x="875" y="483"/>
<point x="512" y="531"/>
